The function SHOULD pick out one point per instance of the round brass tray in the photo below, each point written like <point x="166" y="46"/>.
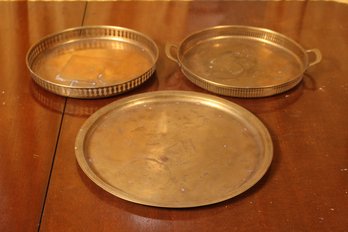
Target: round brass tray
<point x="242" y="61"/>
<point x="174" y="149"/>
<point x="93" y="61"/>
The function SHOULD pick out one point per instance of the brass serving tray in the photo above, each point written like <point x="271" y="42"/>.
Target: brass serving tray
<point x="92" y="61"/>
<point x="242" y="61"/>
<point x="174" y="149"/>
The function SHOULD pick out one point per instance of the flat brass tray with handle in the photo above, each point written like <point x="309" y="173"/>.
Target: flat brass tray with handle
<point x="92" y="61"/>
<point x="174" y="149"/>
<point x="242" y="61"/>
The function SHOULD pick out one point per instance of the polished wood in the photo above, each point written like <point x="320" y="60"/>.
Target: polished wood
<point x="306" y="187"/>
<point x="29" y="127"/>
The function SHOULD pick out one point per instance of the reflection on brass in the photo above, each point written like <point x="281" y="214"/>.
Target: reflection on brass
<point x="92" y="62"/>
<point x="174" y="149"/>
<point x="242" y="61"/>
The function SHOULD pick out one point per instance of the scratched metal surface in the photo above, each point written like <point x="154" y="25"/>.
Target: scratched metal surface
<point x="174" y="149"/>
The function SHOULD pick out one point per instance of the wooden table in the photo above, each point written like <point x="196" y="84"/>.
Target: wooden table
<point x="306" y="188"/>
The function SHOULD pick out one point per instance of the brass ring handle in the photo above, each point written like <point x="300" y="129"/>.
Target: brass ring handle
<point x="168" y="50"/>
<point x="317" y="55"/>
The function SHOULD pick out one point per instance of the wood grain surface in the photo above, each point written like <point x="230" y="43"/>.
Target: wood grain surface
<point x="29" y="126"/>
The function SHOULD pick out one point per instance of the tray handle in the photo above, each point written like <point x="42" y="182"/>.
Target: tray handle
<point x="168" y="49"/>
<point x="317" y="56"/>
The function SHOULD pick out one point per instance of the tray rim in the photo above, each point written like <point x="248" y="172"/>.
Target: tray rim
<point x="92" y="92"/>
<point x="89" y="123"/>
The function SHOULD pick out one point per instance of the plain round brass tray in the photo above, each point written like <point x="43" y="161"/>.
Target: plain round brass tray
<point x="242" y="61"/>
<point x="174" y="149"/>
<point x="92" y="61"/>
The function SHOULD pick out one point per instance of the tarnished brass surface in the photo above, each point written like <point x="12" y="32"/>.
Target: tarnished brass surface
<point x="92" y="62"/>
<point x="174" y="149"/>
<point x="242" y="61"/>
